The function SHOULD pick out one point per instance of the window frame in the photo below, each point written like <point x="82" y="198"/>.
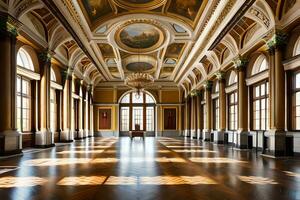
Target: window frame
<point x="235" y="114"/>
<point x="293" y="105"/>
<point x="260" y="98"/>
<point x="23" y="96"/>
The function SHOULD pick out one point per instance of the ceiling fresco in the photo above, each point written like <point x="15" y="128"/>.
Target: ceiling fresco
<point x="139" y="35"/>
<point x="186" y="8"/>
<point x="96" y="9"/>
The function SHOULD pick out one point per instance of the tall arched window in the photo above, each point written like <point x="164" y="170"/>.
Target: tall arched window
<point x="24" y="60"/>
<point x="137" y="110"/>
<point x="216" y="107"/>
<point x="296" y="102"/>
<point x="260" y="97"/>
<point x="297" y="48"/>
<point x="232" y="103"/>
<point x="24" y="92"/>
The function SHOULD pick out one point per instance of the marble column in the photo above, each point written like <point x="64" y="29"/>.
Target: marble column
<point x="80" y="132"/>
<point x="277" y="133"/>
<point x="199" y="117"/>
<point x="86" y="113"/>
<point x="219" y="136"/>
<point x="208" y="100"/>
<point x="44" y="137"/>
<point x="186" y="113"/>
<point x="67" y="135"/>
<point x="192" y="116"/>
<point x="90" y="111"/>
<point x="10" y="138"/>
<point x="241" y="138"/>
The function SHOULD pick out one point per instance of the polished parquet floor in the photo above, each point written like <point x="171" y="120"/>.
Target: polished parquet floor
<point x="157" y="168"/>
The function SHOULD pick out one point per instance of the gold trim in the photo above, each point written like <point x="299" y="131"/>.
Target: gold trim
<point x="145" y="6"/>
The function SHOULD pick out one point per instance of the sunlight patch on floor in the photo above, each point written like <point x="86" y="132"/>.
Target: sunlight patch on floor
<point x="257" y="180"/>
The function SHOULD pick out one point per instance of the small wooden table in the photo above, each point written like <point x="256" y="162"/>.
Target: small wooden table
<point x="133" y="134"/>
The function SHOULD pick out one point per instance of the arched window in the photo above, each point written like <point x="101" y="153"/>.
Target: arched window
<point x="297" y="48"/>
<point x="137" y="109"/>
<point x="260" y="65"/>
<point x="53" y="76"/>
<point x="24" y="60"/>
<point x="296" y="102"/>
<point x="232" y="78"/>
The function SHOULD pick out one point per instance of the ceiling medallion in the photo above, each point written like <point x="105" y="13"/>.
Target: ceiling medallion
<point x="140" y="36"/>
<point x="140" y="4"/>
<point x="139" y="81"/>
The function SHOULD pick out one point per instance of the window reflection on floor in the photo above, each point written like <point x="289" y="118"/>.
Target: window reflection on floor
<point x="257" y="180"/>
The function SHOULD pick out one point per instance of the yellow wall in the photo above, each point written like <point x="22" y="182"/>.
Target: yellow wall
<point x="104" y="96"/>
<point x="170" y="96"/>
<point x="113" y="116"/>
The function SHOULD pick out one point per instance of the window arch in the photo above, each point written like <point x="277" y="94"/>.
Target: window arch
<point x="24" y="60"/>
<point x="260" y="65"/>
<point x="297" y="48"/>
<point x="137" y="111"/>
<point x="53" y="76"/>
<point x="232" y="78"/>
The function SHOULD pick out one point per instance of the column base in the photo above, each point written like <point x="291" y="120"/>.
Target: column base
<point x="85" y="133"/>
<point x="185" y="133"/>
<point x="276" y="143"/>
<point x="66" y="136"/>
<point x="206" y="135"/>
<point x="199" y="136"/>
<point x="193" y="134"/>
<point x="219" y="137"/>
<point x="44" y="139"/>
<point x="241" y="139"/>
<point x="79" y="134"/>
<point x="91" y="133"/>
<point x="10" y="143"/>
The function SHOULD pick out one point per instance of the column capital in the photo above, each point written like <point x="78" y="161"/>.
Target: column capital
<point x="195" y="93"/>
<point x="208" y="85"/>
<point x="220" y="75"/>
<point x="8" y="25"/>
<point x="277" y="41"/>
<point x="45" y="56"/>
<point x="240" y="63"/>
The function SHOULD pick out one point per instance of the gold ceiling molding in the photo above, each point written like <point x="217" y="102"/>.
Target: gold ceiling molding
<point x="150" y="5"/>
<point x="212" y="31"/>
<point x="159" y="31"/>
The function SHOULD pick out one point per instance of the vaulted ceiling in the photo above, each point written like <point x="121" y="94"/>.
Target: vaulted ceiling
<point x="179" y="42"/>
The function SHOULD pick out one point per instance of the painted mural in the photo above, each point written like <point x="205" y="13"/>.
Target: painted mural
<point x="106" y="50"/>
<point x="96" y="8"/>
<point x="139" y="35"/>
<point x="139" y="67"/>
<point x="186" y="8"/>
<point x="174" y="50"/>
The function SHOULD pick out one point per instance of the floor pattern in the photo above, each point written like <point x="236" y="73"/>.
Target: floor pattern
<point x="154" y="168"/>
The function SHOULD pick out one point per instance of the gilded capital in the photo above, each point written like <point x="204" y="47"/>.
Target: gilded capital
<point x="8" y="25"/>
<point x="208" y="85"/>
<point x="195" y="93"/>
<point x="278" y="40"/>
<point x="220" y="75"/>
<point x="240" y="63"/>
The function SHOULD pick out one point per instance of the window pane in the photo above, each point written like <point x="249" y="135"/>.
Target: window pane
<point x="298" y="98"/>
<point x="257" y="91"/>
<point x="298" y="123"/>
<point x="137" y="98"/>
<point x="125" y="119"/>
<point x="298" y="80"/>
<point x="126" y="99"/>
<point x="18" y="85"/>
<point x="298" y="111"/>
<point x="137" y="117"/>
<point x="263" y="90"/>
<point x="150" y="119"/>
<point x="149" y="99"/>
